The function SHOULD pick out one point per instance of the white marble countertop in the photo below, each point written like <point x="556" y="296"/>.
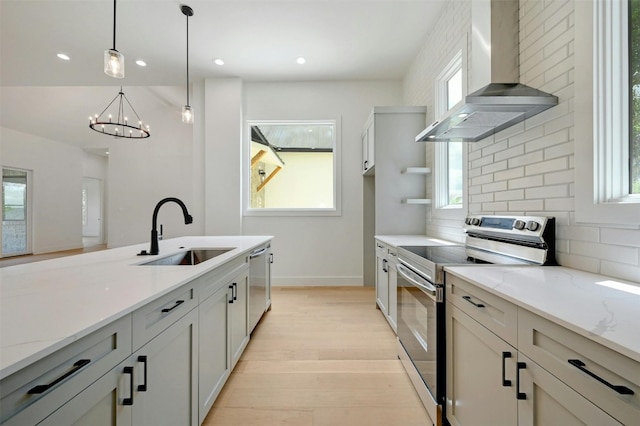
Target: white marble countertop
<point x="412" y="240"/>
<point x="46" y="305"/>
<point x="603" y="309"/>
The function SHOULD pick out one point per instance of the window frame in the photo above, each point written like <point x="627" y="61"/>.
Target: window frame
<point x="602" y="115"/>
<point x="440" y="204"/>
<point x="336" y="210"/>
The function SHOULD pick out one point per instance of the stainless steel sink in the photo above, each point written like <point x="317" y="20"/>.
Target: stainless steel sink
<point x="189" y="257"/>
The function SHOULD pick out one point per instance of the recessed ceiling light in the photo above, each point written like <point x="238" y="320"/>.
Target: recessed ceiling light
<point x="141" y="63"/>
<point x="218" y="61"/>
<point x="63" y="56"/>
<point x="301" y="60"/>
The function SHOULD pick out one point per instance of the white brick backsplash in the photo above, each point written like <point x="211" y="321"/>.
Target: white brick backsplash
<point x="623" y="237"/>
<point x="494" y="167"/>
<point x="615" y="269"/>
<point x="620" y="254"/>
<point x="527" y="168"/>
<point x="509" y="174"/>
<point x="495" y="207"/>
<point x="523" y="160"/>
<point x="565" y="176"/>
<point x="509" y="153"/>
<point x="526" y="206"/>
<point x="547" y="166"/>
<point x="494" y="187"/>
<point x="550" y="139"/>
<point x="526" y="182"/>
<point x="548" y="191"/>
<point x="565" y="204"/>
<point x="516" y="194"/>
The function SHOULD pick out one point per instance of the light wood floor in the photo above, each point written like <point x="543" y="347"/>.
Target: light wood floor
<point x="321" y="357"/>
<point x="29" y="258"/>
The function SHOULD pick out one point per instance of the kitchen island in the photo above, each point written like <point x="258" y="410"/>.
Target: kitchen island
<point x="48" y="307"/>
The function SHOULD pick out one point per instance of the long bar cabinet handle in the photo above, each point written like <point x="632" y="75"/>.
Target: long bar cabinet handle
<point x="477" y="305"/>
<point x="178" y="303"/>
<point x="43" y="388"/>
<point x="623" y="390"/>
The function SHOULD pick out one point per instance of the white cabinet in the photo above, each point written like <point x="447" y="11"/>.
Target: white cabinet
<point x="31" y="394"/>
<point x="214" y="359"/>
<point x="387" y="282"/>
<point x="101" y="404"/>
<point x="166" y="376"/>
<point x="389" y="196"/>
<point x="508" y="366"/>
<point x="368" y="147"/>
<point x="153" y="386"/>
<point x="239" y="315"/>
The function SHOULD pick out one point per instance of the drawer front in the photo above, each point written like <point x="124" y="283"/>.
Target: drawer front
<point x="209" y="283"/>
<point x="381" y="249"/>
<point x="498" y="315"/>
<point x="586" y="366"/>
<point x="155" y="317"/>
<point x="393" y="255"/>
<point x="31" y="394"/>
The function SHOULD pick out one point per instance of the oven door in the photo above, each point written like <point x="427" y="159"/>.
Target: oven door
<point x="421" y="340"/>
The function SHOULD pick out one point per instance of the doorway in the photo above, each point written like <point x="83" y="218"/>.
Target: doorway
<point x="92" y="228"/>
<point x="16" y="223"/>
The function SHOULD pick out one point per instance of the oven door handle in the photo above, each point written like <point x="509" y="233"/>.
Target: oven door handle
<point x="417" y="280"/>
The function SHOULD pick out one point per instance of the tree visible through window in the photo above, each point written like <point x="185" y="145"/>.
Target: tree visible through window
<point x="634" y="95"/>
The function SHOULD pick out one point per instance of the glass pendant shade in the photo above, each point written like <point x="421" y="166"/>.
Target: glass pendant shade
<point x="187" y="114"/>
<point x="113" y="63"/>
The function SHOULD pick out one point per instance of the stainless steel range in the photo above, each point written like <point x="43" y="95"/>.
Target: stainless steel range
<point x="520" y="240"/>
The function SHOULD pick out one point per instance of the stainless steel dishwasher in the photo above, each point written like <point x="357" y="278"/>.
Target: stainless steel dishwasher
<point x="259" y="297"/>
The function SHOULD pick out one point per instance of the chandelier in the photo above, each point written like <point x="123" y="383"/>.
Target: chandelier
<point x="114" y="120"/>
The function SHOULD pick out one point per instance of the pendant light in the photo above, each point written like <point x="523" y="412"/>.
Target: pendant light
<point x="187" y="111"/>
<point x="114" y="120"/>
<point x="114" y="60"/>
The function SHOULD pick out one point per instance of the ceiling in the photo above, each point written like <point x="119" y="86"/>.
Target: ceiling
<point x="259" y="40"/>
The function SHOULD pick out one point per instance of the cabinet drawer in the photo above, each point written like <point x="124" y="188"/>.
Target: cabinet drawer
<point x="381" y="249"/>
<point x="211" y="282"/>
<point x="552" y="346"/>
<point x="495" y="313"/>
<point x="31" y="394"/>
<point x="153" y="318"/>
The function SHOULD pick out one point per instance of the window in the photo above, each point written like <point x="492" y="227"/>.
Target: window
<point x="449" y="159"/>
<point x="606" y="122"/>
<point x="15" y="213"/>
<point x="293" y="168"/>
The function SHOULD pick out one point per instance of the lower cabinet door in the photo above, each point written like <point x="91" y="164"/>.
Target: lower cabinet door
<point x="545" y="400"/>
<point x="480" y="374"/>
<point x="166" y="381"/>
<point x="393" y="295"/>
<point x="213" y="346"/>
<point x="101" y="404"/>
<point x="239" y="316"/>
<point x="382" y="284"/>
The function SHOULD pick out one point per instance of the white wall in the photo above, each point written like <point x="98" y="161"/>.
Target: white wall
<point x="529" y="168"/>
<point x="56" y="187"/>
<point x="320" y="250"/>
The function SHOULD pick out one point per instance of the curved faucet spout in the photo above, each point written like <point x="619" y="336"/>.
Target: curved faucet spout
<point x="154" y="230"/>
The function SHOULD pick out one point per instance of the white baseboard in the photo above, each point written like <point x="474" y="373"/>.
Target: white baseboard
<point x="316" y="281"/>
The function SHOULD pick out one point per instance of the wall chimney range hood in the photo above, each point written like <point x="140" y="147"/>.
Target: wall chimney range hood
<point x="494" y="105"/>
<point x="487" y="111"/>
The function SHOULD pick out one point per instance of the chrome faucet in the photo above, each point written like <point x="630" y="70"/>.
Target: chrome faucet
<point x="154" y="230"/>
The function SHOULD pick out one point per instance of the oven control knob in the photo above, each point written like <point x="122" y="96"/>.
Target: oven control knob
<point x="475" y="221"/>
<point x="519" y="225"/>
<point x="467" y="221"/>
<point x="533" y="226"/>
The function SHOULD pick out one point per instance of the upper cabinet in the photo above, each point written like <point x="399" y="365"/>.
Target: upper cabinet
<point x="368" y="147"/>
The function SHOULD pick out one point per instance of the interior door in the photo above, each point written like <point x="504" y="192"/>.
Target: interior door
<point x="15" y="212"/>
<point x="92" y="209"/>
